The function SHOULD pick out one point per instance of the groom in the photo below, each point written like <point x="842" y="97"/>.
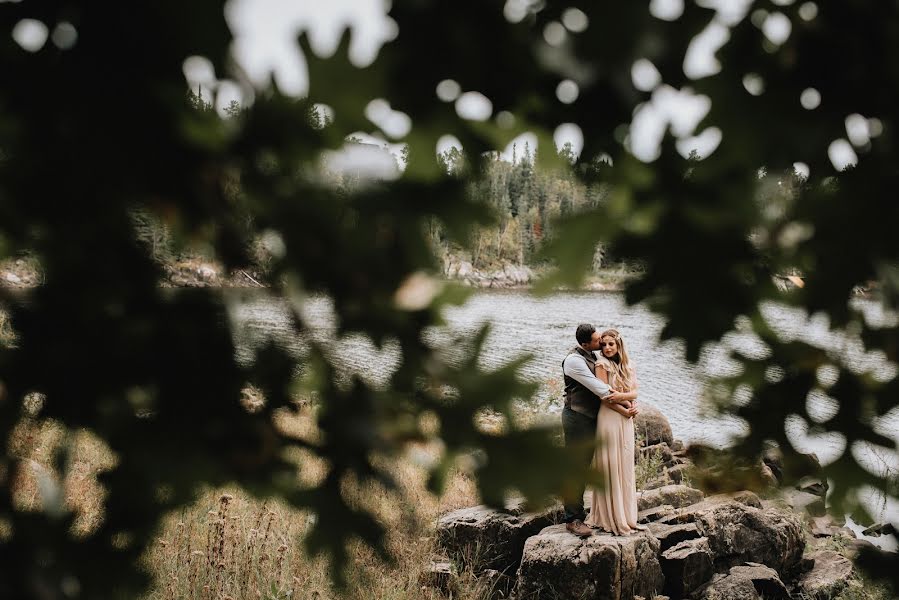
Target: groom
<point x="583" y="395"/>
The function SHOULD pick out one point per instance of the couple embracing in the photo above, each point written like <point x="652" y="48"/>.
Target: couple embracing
<point x="598" y="421"/>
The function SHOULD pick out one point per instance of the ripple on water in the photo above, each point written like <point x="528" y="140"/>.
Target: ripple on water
<point x="544" y="328"/>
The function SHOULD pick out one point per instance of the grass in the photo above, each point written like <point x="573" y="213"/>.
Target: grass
<point x="839" y="543"/>
<point x="648" y="465"/>
<point x="231" y="545"/>
<point x="860" y="587"/>
<point x="7" y="335"/>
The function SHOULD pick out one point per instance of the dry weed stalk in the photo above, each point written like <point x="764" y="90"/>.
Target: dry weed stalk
<point x="230" y="545"/>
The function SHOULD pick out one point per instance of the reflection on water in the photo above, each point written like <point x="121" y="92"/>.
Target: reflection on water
<point x="544" y="328"/>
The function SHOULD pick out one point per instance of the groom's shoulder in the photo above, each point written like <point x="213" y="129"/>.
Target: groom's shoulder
<point x="574" y="357"/>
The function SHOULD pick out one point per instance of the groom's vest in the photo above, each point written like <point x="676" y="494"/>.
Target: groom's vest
<point x="577" y="397"/>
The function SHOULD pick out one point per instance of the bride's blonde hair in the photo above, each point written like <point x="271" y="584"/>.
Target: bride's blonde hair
<point x="624" y="377"/>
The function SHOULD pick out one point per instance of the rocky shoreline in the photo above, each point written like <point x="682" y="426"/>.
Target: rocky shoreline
<point x="23" y="273"/>
<point x="513" y="276"/>
<point x="721" y="546"/>
<point x="199" y="272"/>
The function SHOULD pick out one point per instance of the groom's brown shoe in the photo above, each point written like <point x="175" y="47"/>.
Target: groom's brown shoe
<point x="578" y="528"/>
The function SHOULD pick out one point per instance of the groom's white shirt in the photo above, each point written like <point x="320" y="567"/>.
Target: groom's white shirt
<point x="576" y="367"/>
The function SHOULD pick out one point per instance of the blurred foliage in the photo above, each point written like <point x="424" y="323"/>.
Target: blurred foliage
<point x="96" y="130"/>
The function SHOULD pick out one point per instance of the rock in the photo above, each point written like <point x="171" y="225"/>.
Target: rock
<point x="805" y="565"/>
<point x="857" y="546"/>
<point x="805" y="465"/>
<point x="464" y="270"/>
<point x="768" y="477"/>
<point x="677" y="473"/>
<point x="879" y="529"/>
<point x="677" y="446"/>
<point x="746" y="582"/>
<point x="828" y="577"/>
<point x="812" y="485"/>
<point x="494" y="584"/>
<point x="486" y="538"/>
<point x="746" y="497"/>
<point x="660" y="450"/>
<point x="805" y="502"/>
<point x="651" y="426"/>
<point x="672" y="535"/>
<point x="677" y="496"/>
<point x="657" y="482"/>
<point x="826" y="526"/>
<point x="765" y="579"/>
<point x="739" y="533"/>
<point x="723" y="587"/>
<point x="654" y="514"/>
<point x="686" y="566"/>
<point x="206" y="273"/>
<point x="774" y="460"/>
<point x="823" y="526"/>
<point x="517" y="274"/>
<point x="12" y="278"/>
<point x="689" y="513"/>
<point x="439" y="574"/>
<point x="556" y="564"/>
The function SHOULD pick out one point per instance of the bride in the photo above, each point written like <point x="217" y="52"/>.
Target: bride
<point x="614" y="507"/>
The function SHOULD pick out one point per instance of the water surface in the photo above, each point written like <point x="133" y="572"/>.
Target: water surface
<point x="544" y="328"/>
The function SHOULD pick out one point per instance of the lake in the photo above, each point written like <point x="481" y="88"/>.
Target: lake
<point x="544" y="328"/>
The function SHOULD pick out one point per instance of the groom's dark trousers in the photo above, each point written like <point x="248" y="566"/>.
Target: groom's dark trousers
<point x="580" y="432"/>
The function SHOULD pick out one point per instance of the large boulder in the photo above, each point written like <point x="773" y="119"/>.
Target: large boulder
<point x="651" y="426"/>
<point x="687" y="566"/>
<point x="738" y="533"/>
<point x="677" y="496"/>
<point x="486" y="538"/>
<point x="654" y="514"/>
<point x="672" y="535"/>
<point x="556" y="564"/>
<point x="828" y="577"/>
<point x="689" y="513"/>
<point x="746" y="582"/>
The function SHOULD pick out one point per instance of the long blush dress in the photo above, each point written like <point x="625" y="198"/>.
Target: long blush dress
<point x="614" y="507"/>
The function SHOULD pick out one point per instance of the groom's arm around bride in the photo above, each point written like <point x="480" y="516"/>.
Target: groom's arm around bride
<point x="583" y="395"/>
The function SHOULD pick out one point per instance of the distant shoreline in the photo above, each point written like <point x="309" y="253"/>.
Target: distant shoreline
<point x="195" y="272"/>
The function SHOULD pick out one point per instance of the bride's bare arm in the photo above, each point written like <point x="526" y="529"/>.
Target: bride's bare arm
<point x="620" y="409"/>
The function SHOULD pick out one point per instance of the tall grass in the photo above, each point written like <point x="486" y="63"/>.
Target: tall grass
<point x="229" y="544"/>
<point x="648" y="465"/>
<point x="7" y="335"/>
